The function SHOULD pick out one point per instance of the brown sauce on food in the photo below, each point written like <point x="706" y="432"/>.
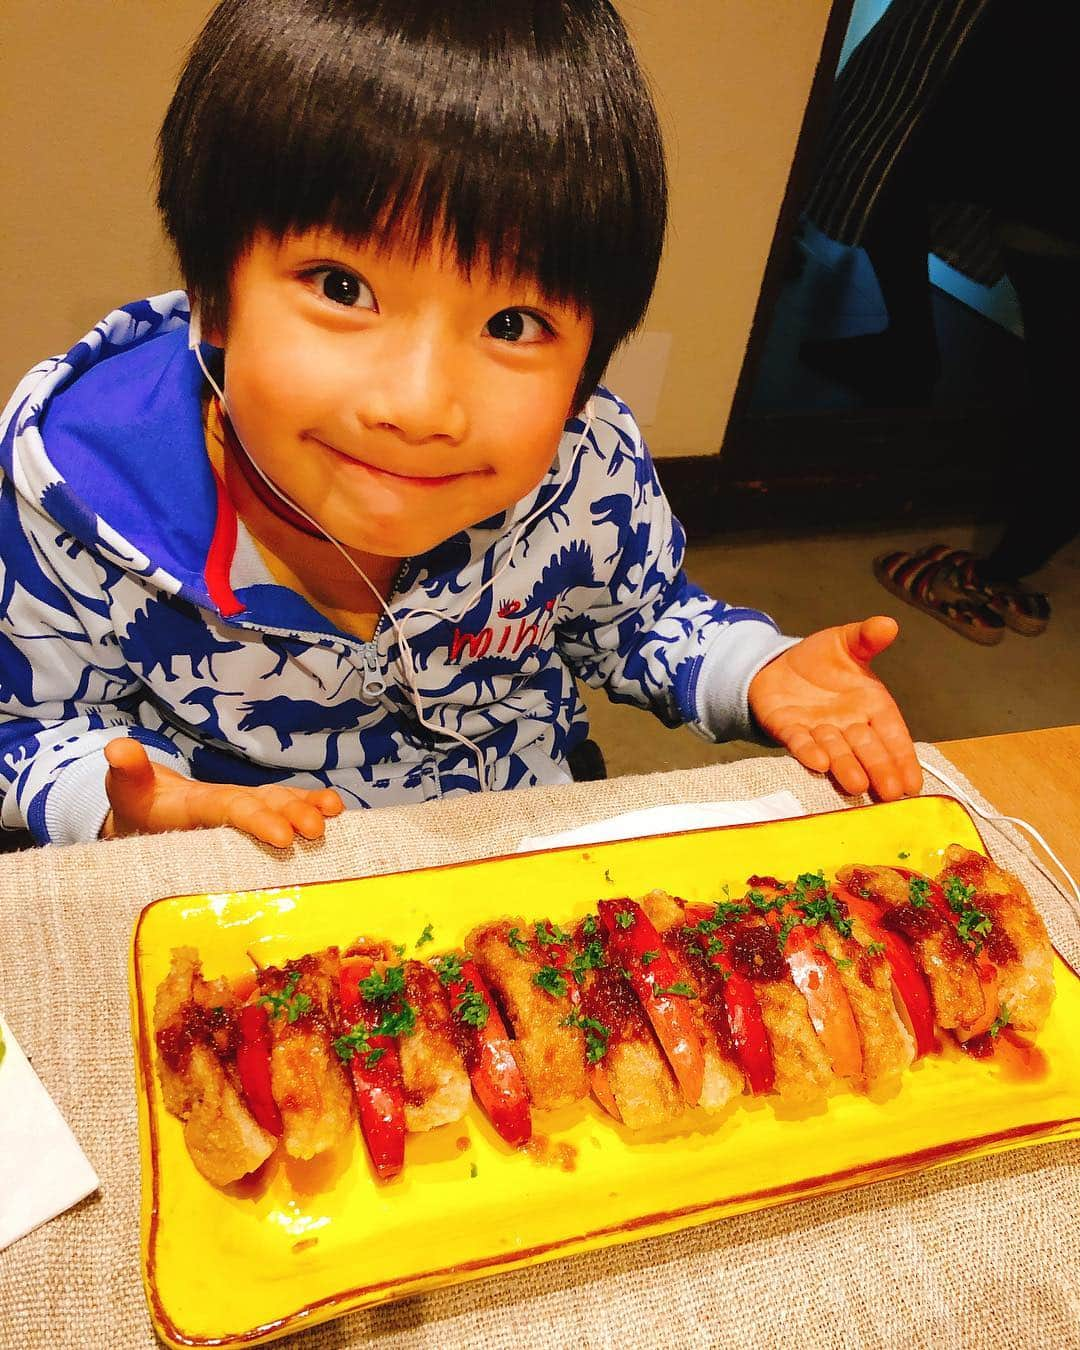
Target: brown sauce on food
<point x="551" y="1153"/>
<point x="755" y="952"/>
<point x="215" y="1028"/>
<point x="915" y="922"/>
<point x="999" y="947"/>
<point x="979" y="1047"/>
<point x="1019" y="1059"/>
<point x="710" y="983"/>
<point x="609" y="999"/>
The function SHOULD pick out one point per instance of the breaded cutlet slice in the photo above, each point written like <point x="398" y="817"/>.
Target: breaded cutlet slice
<point x="197" y="1073"/>
<point x="949" y="966"/>
<point x="638" y="1076"/>
<point x="307" y="1078"/>
<point x="722" y="1079"/>
<point x="887" y="1046"/>
<point x="550" y="1051"/>
<point x="437" y="1088"/>
<point x="803" y="1071"/>
<point x="1017" y="944"/>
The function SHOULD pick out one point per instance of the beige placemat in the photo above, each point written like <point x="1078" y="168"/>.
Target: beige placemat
<point x="981" y="1254"/>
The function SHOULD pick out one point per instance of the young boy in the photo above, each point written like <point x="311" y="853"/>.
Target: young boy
<point x="358" y="544"/>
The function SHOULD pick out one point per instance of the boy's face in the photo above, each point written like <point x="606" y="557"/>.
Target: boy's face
<point x="395" y="401"/>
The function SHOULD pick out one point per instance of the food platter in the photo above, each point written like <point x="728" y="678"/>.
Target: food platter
<point x="306" y="1242"/>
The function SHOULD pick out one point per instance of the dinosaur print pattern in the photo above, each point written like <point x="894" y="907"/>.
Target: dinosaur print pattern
<point x="108" y="625"/>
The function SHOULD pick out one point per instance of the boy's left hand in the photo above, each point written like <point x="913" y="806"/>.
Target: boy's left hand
<point x="821" y="700"/>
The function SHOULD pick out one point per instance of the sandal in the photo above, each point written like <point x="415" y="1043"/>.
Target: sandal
<point x="1022" y="609"/>
<point x="922" y="580"/>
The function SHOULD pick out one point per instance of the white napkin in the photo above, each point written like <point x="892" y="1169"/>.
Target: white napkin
<point x="668" y="819"/>
<point x="43" y="1171"/>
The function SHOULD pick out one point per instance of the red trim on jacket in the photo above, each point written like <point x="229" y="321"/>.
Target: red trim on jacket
<point x="220" y="555"/>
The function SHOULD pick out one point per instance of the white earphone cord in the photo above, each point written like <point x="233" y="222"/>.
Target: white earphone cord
<point x="1073" y="898"/>
<point x="408" y="662"/>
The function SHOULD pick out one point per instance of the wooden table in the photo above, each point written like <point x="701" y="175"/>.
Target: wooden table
<point x="1031" y="774"/>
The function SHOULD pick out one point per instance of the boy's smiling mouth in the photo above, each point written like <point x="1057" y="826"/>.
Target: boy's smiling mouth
<point x="419" y="480"/>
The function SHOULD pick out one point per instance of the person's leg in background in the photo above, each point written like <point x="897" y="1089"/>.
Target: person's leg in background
<point x="901" y="363"/>
<point x="1044" y="487"/>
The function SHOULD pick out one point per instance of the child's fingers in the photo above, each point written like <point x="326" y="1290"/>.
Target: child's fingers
<point x="879" y="765"/>
<point x="129" y="786"/>
<point x="797" y="741"/>
<point x="304" y="816"/>
<point x="128" y="760"/>
<point x="327" y="801"/>
<point x="843" y="762"/>
<point x="896" y="739"/>
<point x="252" y="814"/>
<point x="869" y="638"/>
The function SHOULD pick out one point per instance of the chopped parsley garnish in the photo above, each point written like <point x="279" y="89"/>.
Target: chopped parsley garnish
<point x="679" y="987"/>
<point x="354" y="1042"/>
<point x="551" y="980"/>
<point x="624" y="918"/>
<point x="516" y="942"/>
<point x="974" y="925"/>
<point x="426" y="936"/>
<point x="472" y="1170"/>
<point x="591" y="957"/>
<point x="874" y="948"/>
<point x="589" y="925"/>
<point x="715" y="947"/>
<point x="903" y="856"/>
<point x="724" y="912"/>
<point x="824" y="908"/>
<point x="792" y="921"/>
<point x="288" y="1002"/>
<point x="399" y="949"/>
<point x="762" y="902"/>
<point x="471" y="1008"/>
<point x="400" y="1021"/>
<point x="608" y="877"/>
<point x="918" y="892"/>
<point x="1001" y="1021"/>
<point x="596" y="1035"/>
<point x="647" y="958"/>
<point x="381" y="988"/>
<point x="550" y="934"/>
<point x="448" y="968"/>
<point x="844" y="963"/>
<point x="818" y="904"/>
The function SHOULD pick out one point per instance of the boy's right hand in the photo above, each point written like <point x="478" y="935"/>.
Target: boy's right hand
<point x="148" y="798"/>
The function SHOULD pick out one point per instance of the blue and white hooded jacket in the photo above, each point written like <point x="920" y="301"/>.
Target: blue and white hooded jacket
<point x="132" y="602"/>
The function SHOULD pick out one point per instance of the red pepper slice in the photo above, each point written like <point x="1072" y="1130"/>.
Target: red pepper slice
<point x="253" y="1067"/>
<point x="745" y="1022"/>
<point x="815" y="976"/>
<point x="987" y="971"/>
<point x="908" y="980"/>
<point x="629" y="940"/>
<point x="496" y="1078"/>
<point x="378" y="1086"/>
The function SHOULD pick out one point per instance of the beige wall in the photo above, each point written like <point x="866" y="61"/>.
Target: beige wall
<point x="87" y="81"/>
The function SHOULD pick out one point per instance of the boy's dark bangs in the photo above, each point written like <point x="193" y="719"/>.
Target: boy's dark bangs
<point x="517" y="132"/>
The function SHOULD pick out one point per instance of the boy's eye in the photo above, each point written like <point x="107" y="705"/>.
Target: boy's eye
<point x="516" y="325"/>
<point x="341" y="287"/>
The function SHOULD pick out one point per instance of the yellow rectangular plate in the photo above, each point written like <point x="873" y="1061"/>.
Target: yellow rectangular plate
<point x="314" y="1241"/>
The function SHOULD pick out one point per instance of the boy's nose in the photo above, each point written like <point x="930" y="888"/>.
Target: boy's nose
<point x="414" y="395"/>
